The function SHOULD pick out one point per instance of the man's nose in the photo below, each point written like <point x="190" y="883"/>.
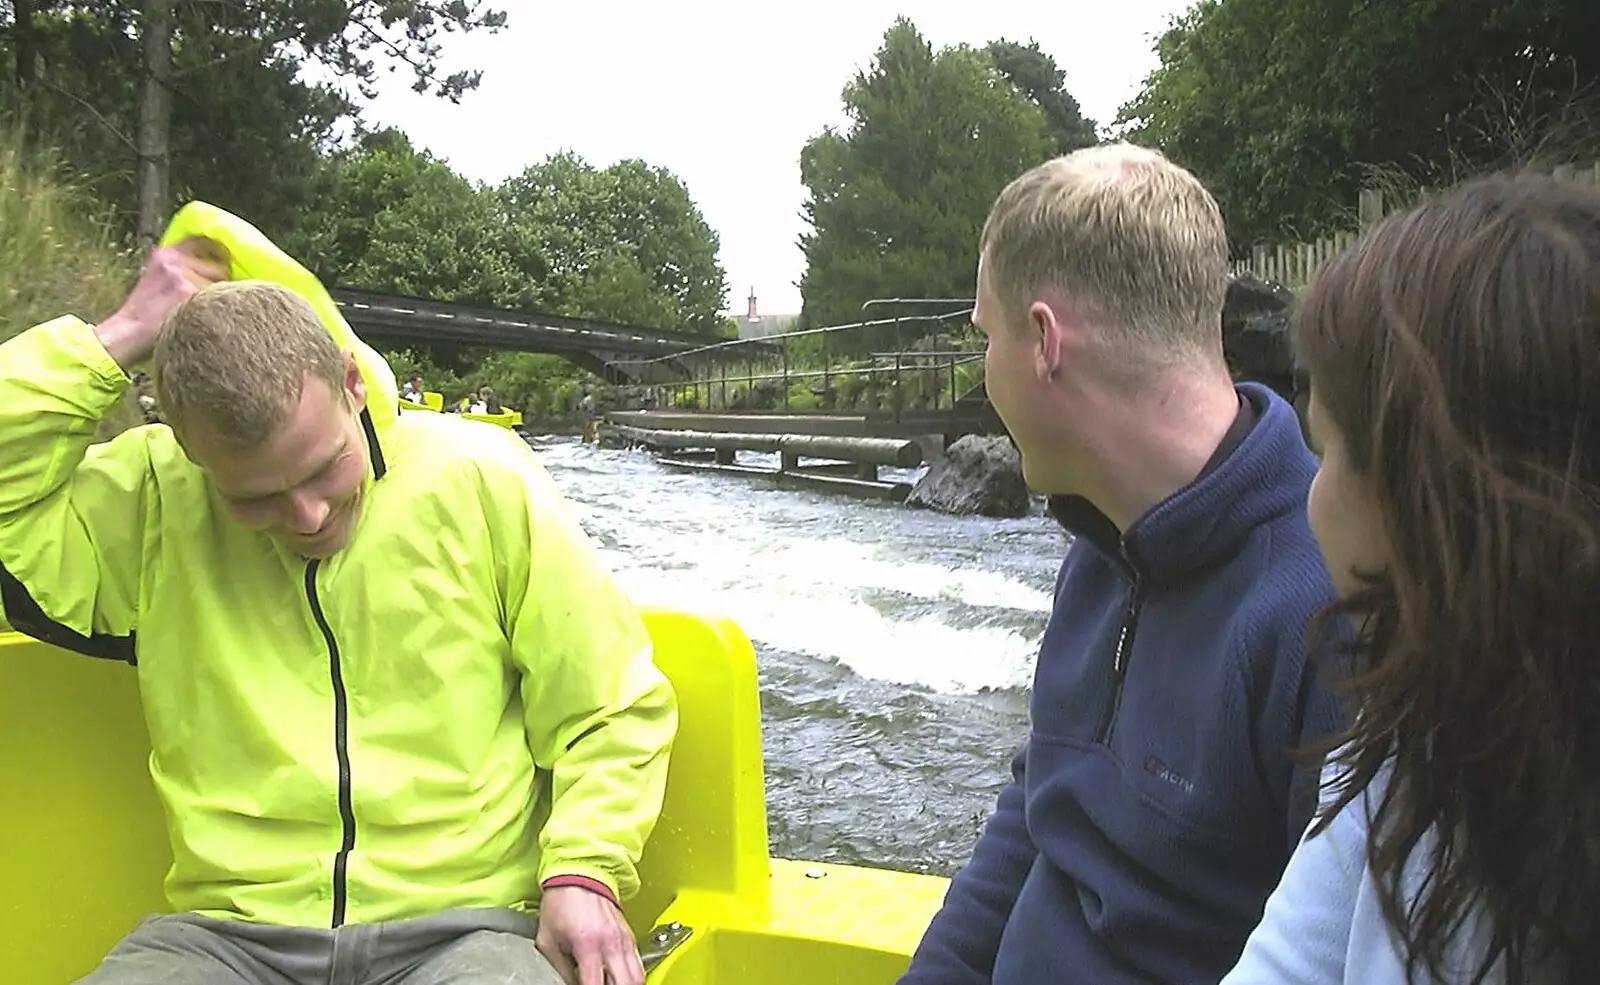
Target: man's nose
<point x="307" y="513"/>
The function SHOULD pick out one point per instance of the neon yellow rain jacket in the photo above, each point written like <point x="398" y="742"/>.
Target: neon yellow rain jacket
<point x="454" y="708"/>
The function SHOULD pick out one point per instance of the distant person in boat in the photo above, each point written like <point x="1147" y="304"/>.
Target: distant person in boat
<point x="412" y="390"/>
<point x="395" y="700"/>
<point x="1156" y="800"/>
<point x="491" y="403"/>
<point x="1455" y="395"/>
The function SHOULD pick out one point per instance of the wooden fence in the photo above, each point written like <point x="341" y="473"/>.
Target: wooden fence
<point x="1293" y="265"/>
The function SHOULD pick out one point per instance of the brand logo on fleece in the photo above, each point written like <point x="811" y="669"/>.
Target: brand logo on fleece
<point x="1156" y="768"/>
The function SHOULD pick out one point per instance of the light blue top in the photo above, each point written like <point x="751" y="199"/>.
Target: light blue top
<point x="1324" y="925"/>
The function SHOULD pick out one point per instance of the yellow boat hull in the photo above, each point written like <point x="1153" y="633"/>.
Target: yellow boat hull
<point x="431" y="400"/>
<point x="434" y="401"/>
<point x="83" y="847"/>
<point x="505" y="419"/>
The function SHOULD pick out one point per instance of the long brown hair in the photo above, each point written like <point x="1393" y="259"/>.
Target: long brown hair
<point x="1456" y="350"/>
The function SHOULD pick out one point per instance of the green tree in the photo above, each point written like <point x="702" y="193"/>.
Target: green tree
<point x="250" y="140"/>
<point x="396" y="219"/>
<point x="897" y="200"/>
<point x="624" y="244"/>
<point x="1036" y="74"/>
<point x="1285" y="108"/>
<point x="247" y="137"/>
<point x="145" y="92"/>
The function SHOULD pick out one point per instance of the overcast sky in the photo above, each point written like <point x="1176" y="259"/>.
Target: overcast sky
<point x="725" y="96"/>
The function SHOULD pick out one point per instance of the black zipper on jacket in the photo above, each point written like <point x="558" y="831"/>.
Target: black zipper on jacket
<point x="341" y="747"/>
<point x="1119" y="660"/>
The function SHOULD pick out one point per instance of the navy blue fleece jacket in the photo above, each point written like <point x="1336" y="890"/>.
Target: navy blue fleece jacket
<point x="1155" y="805"/>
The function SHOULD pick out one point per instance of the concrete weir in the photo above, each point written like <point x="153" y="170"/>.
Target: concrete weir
<point x="852" y="465"/>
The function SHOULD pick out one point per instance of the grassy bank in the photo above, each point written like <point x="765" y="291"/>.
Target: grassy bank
<point x="57" y="255"/>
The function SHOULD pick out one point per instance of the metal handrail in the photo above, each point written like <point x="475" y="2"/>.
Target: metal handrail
<point x="867" y="304"/>
<point x="765" y="352"/>
<point x="785" y="336"/>
<point x="932" y="352"/>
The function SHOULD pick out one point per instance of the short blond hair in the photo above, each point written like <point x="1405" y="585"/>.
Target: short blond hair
<point x="236" y="356"/>
<point x="1134" y="243"/>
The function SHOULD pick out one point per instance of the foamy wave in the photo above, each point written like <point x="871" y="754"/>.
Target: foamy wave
<point x="806" y="598"/>
<point x="800" y="585"/>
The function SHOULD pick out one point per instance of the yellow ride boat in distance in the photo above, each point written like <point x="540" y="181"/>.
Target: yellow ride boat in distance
<point x="434" y="401"/>
<point x="83" y="846"/>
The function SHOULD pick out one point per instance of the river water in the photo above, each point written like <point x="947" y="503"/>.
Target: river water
<point x="895" y="645"/>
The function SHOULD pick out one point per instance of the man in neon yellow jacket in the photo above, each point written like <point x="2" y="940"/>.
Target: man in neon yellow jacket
<point x="396" y="704"/>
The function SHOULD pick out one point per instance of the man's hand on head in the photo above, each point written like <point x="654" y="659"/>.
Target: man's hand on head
<point x="584" y="935"/>
<point x="172" y="274"/>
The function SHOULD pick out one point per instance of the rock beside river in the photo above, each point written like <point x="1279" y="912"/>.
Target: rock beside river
<point x="979" y="475"/>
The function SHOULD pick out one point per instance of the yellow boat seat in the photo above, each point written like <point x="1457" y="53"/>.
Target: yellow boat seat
<point x="83" y="846"/>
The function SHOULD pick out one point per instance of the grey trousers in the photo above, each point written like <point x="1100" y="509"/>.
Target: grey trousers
<point x="457" y="947"/>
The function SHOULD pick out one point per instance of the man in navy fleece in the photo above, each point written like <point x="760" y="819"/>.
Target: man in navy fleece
<point x="1155" y="802"/>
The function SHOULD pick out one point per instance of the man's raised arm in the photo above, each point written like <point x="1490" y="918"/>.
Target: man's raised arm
<point x="71" y="514"/>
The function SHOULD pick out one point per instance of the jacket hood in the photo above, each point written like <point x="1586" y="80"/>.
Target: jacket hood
<point x="252" y="256"/>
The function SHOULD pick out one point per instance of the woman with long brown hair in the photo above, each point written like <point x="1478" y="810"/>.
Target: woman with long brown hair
<point x="1454" y="355"/>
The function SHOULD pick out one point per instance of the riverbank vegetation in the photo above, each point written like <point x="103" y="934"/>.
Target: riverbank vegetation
<point x="58" y="253"/>
<point x="256" y="106"/>
<point x="1284" y="108"/>
<point x="1287" y="108"/>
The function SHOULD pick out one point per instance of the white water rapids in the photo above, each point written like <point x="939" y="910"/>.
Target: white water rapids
<point x="895" y="645"/>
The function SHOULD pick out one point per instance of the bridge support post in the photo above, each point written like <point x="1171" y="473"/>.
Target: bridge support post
<point x="789" y="461"/>
<point x="725" y="456"/>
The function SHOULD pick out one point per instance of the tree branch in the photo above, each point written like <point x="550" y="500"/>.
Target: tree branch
<point x="256" y="46"/>
<point x="397" y="51"/>
<point x="92" y="112"/>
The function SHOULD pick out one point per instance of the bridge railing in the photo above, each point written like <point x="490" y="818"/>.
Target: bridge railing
<point x="910" y="361"/>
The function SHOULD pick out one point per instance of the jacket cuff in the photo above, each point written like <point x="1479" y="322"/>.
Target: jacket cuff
<point x="582" y="882"/>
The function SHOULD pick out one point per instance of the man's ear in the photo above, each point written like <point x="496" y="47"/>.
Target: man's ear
<point x="1047" y="331"/>
<point x="354" y="383"/>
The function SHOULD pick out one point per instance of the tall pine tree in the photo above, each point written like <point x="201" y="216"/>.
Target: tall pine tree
<point x="898" y="199"/>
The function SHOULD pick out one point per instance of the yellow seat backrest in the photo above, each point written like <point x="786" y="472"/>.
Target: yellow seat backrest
<point x="712" y="836"/>
<point x="83" y="844"/>
<point x="83" y="847"/>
